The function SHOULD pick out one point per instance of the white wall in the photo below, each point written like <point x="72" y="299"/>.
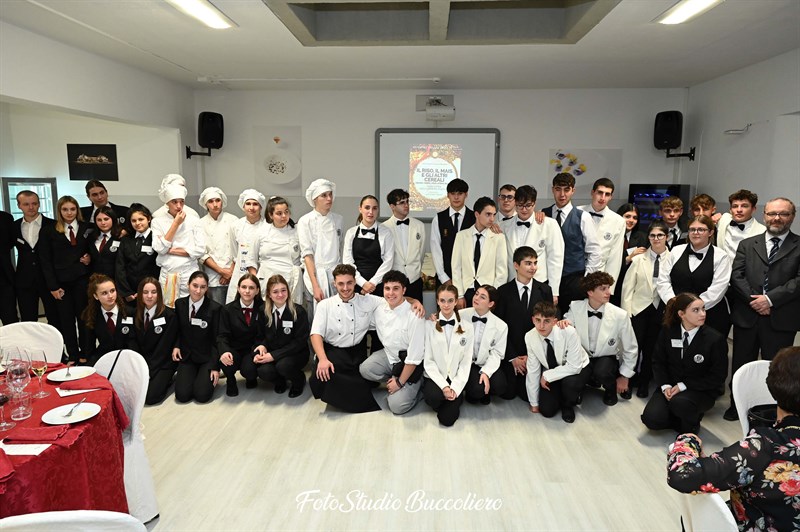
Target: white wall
<point x="766" y="159"/>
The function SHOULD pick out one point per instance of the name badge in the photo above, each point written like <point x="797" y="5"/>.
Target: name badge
<point x="21" y="241"/>
<point x="677" y="343"/>
<point x="147" y="249"/>
<point x="288" y="324"/>
<point x="160" y="321"/>
<point x="127" y="320"/>
<point x="197" y="321"/>
<point x="630" y="250"/>
<point x="368" y="236"/>
<point x="114" y="247"/>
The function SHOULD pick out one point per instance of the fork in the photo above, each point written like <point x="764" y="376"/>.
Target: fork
<point x="71" y="410"/>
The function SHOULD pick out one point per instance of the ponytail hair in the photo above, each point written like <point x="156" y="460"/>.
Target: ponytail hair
<point x="365" y="198"/>
<point x="676" y="304"/>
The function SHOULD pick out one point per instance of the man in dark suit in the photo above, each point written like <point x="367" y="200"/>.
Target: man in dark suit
<point x="98" y="195"/>
<point x="29" y="283"/>
<point x="765" y="283"/>
<point x="8" y="302"/>
<point x="516" y="300"/>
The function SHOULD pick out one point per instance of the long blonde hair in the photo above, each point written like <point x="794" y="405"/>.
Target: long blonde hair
<point x="61" y="225"/>
<point x="269" y="306"/>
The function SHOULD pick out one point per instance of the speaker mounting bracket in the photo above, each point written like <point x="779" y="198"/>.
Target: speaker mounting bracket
<point x="189" y="152"/>
<point x="690" y="155"/>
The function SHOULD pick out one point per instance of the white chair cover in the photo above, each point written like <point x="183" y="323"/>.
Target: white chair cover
<point x="707" y="512"/>
<point x="130" y="379"/>
<point x="33" y="334"/>
<point x="72" y="521"/>
<point x="750" y="389"/>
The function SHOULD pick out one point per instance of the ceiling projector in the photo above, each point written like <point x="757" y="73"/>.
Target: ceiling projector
<point x="437" y="111"/>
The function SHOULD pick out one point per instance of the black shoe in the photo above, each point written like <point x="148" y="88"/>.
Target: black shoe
<point x="579" y="400"/>
<point x="297" y="388"/>
<point x="250" y="383"/>
<point x="731" y="414"/>
<point x="627" y="394"/>
<point x="610" y="397"/>
<point x="280" y="387"/>
<point x="568" y="414"/>
<point x="486" y="399"/>
<point x="232" y="390"/>
<point x="643" y="390"/>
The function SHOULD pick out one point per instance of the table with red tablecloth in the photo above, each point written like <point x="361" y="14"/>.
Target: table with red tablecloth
<point x="87" y="475"/>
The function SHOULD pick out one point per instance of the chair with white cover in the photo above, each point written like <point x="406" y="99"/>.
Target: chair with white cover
<point x="72" y="521"/>
<point x="130" y="378"/>
<point x="36" y="335"/>
<point x="706" y="512"/>
<point x="750" y="389"/>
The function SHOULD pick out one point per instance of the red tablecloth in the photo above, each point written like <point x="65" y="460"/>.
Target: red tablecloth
<point x="88" y="475"/>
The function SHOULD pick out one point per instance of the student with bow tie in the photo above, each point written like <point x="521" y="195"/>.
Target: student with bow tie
<point x="448" y="357"/>
<point x="670" y="211"/>
<point x="369" y="247"/>
<point x="690" y="364"/>
<point x="107" y="240"/>
<point x="699" y="268"/>
<point x="64" y="253"/>
<point x="488" y="348"/>
<point x="105" y="318"/>
<point x="738" y="223"/>
<point x="136" y="258"/>
<point x="241" y="328"/>
<point x="609" y="225"/>
<point x="409" y="241"/>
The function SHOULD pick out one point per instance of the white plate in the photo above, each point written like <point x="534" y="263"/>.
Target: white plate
<point x="82" y="413"/>
<point x="282" y="166"/>
<point x="75" y="373"/>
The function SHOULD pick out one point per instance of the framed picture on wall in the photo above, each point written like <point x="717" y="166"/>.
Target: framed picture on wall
<point x="92" y="161"/>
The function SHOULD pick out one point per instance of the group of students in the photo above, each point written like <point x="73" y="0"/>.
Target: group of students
<point x="509" y="271"/>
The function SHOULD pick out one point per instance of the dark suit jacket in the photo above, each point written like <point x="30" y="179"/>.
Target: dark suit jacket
<point x="156" y="343"/>
<point x="98" y="341"/>
<point x="61" y="260"/>
<point x="703" y="368"/>
<point x="133" y="265"/>
<point x="198" y="344"/>
<point x="120" y="210"/>
<point x="519" y="319"/>
<point x="6" y="245"/>
<point x="235" y="336"/>
<point x="747" y="278"/>
<point x="29" y="270"/>
<point x="105" y="261"/>
<point x="281" y="345"/>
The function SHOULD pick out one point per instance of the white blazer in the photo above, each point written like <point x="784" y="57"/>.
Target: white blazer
<point x="453" y="361"/>
<point x="409" y="260"/>
<point x="611" y="235"/>
<point x="639" y="288"/>
<point x="493" y="268"/>
<point x="493" y="342"/>
<point x="724" y="225"/>
<point x="615" y="336"/>
<point x="570" y="356"/>
<point x="548" y="242"/>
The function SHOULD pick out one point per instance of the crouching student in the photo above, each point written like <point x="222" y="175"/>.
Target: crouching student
<point x="448" y="357"/>
<point x="558" y="367"/>
<point x="402" y="333"/>
<point x="488" y="347"/>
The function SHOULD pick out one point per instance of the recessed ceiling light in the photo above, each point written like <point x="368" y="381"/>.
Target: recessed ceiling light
<point x="686" y="10"/>
<point x="205" y="12"/>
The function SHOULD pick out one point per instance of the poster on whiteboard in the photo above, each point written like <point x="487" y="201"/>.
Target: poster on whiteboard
<point x="431" y="168"/>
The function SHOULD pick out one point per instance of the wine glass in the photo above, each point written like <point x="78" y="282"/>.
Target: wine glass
<point x="5" y="395"/>
<point x="39" y="367"/>
<point x="18" y="375"/>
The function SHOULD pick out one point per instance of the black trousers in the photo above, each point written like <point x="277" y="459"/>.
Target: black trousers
<point x="158" y="387"/>
<point x="8" y="302"/>
<point x="346" y="389"/>
<point x="605" y="370"/>
<point x="28" y="300"/>
<point x="719" y="319"/>
<point x="288" y="368"/>
<point x="193" y="381"/>
<point x="238" y="358"/>
<point x="415" y="290"/>
<point x="749" y="341"/>
<point x="562" y="393"/>
<point x="647" y="326"/>
<point x="515" y="384"/>
<point x="69" y="309"/>
<point x="498" y="385"/>
<point x="570" y="290"/>
<point x="682" y="413"/>
<point x="446" y="411"/>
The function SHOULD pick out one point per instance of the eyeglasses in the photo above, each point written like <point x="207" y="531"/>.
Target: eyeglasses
<point x="401" y="202"/>
<point x="506" y="197"/>
<point x="778" y="214"/>
<point x="525" y="205"/>
<point x="657" y="236"/>
<point x="700" y="230"/>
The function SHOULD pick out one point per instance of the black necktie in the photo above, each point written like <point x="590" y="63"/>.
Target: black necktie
<point x="477" y="255"/>
<point x="526" y="224"/>
<point x="740" y="226"/>
<point x="455" y="220"/>
<point x="194" y="313"/>
<point x="595" y="314"/>
<point x="596" y="214"/>
<point x="674" y="233"/>
<point x="772" y="252"/>
<point x="442" y="323"/>
<point x="559" y="216"/>
<point x="278" y="321"/>
<point x="685" y="343"/>
<point x="696" y="254"/>
<point x="402" y="222"/>
<point x="146" y="320"/>
<point x="656" y="266"/>
<point x="365" y="231"/>
<point x="551" y="354"/>
<point x="476" y="318"/>
<point x="525" y="297"/>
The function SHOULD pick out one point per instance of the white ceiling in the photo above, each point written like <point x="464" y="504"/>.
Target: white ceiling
<point x="626" y="49"/>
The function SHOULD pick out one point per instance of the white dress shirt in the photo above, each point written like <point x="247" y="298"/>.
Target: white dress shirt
<point x="436" y="242"/>
<point x="729" y="236"/>
<point x="196" y="306"/>
<point x="611" y="236"/>
<point x="719" y="283"/>
<point x="30" y="230"/>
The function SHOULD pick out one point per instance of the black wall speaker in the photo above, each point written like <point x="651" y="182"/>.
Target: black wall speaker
<point x="668" y="130"/>
<point x="210" y="130"/>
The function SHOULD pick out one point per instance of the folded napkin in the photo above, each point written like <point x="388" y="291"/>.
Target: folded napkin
<point x="98" y="381"/>
<point x="58" y="435"/>
<point x="6" y="470"/>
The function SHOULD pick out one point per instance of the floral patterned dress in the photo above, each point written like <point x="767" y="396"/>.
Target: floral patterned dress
<point x="762" y="471"/>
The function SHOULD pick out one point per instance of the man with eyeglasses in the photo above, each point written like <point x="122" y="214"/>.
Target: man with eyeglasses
<point x="409" y="238"/>
<point x="545" y="238"/>
<point x="506" y="203"/>
<point x="765" y="289"/>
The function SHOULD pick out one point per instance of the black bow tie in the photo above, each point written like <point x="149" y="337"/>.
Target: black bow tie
<point x="505" y="218"/>
<point x="476" y="318"/>
<point x="698" y="255"/>
<point x="442" y="323"/>
<point x="365" y="231"/>
<point x="401" y="222"/>
<point x="740" y="226"/>
<point x="595" y="314"/>
<point x="595" y="214"/>
<point x="526" y="224"/>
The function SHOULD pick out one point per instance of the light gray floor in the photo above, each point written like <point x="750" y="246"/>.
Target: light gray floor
<point x="243" y="464"/>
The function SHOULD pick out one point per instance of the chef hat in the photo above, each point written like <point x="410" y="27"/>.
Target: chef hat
<point x="213" y="193"/>
<point x="171" y="192"/>
<point x="171" y="179"/>
<point x="318" y="187"/>
<point x="253" y="194"/>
